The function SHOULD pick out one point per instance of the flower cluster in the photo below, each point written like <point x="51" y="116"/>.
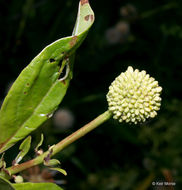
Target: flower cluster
<point x="134" y="96"/>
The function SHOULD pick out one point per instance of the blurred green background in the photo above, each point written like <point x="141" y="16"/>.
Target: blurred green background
<point x="144" y="34"/>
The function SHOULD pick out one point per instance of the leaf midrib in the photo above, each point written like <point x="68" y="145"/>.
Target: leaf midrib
<point x="37" y="107"/>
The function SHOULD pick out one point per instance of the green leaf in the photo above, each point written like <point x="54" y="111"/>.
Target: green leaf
<point x="2" y="162"/>
<point x="40" y="143"/>
<point x="24" y="148"/>
<point x="60" y="170"/>
<point x="52" y="162"/>
<point x="40" y="88"/>
<point x="5" y="184"/>
<point x="36" y="186"/>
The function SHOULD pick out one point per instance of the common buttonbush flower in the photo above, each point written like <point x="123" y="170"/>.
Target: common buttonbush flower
<point x="134" y="96"/>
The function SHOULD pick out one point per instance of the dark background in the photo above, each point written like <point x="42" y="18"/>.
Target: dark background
<point x="144" y="34"/>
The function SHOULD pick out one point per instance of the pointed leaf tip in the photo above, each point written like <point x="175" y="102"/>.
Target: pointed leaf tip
<point x="60" y="170"/>
<point x="40" y="142"/>
<point x="24" y="148"/>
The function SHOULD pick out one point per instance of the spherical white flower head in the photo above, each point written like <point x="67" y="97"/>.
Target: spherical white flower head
<point x="134" y="96"/>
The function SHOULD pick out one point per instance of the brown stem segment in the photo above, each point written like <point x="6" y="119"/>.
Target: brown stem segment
<point x="62" y="144"/>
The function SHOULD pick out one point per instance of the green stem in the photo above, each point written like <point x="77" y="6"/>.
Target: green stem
<point x="62" y="144"/>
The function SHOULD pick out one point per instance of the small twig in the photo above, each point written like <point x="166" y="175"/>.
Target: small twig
<point x="61" y="145"/>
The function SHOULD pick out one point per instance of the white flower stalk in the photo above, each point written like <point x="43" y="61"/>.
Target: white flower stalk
<point x="134" y="96"/>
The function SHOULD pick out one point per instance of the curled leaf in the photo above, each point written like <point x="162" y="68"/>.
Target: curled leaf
<point x="2" y="162"/>
<point x="52" y="162"/>
<point x="40" y="143"/>
<point x="60" y="170"/>
<point x="24" y="148"/>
